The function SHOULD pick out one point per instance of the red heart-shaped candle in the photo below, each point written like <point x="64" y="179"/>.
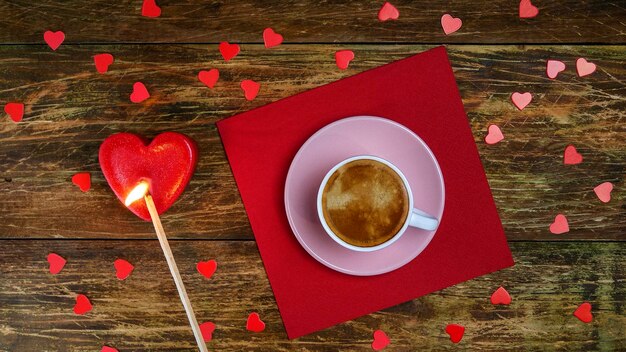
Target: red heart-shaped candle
<point x="166" y="164"/>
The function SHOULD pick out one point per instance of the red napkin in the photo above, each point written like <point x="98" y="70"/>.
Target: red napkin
<point x="261" y="143"/>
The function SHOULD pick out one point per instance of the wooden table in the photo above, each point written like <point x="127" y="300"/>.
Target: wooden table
<point x="70" y="109"/>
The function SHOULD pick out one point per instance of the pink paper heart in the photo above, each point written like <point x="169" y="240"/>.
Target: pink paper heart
<point x="150" y="9"/>
<point x="82" y="180"/>
<point x="500" y="296"/>
<point x="521" y="100"/>
<point x="584" y="67"/>
<point x="123" y="269"/>
<point x="228" y="50"/>
<point x="103" y="61"/>
<point x="583" y="313"/>
<point x="140" y="93"/>
<point x="494" y="135"/>
<point x="527" y="9"/>
<point x="207" y="330"/>
<point x="381" y="340"/>
<point x="54" y="39"/>
<point x="559" y="225"/>
<point x="15" y="111"/>
<point x="553" y="67"/>
<point x="254" y="323"/>
<point x="456" y="332"/>
<point x="603" y="191"/>
<point x="210" y="77"/>
<point x="56" y="263"/>
<point x="450" y="24"/>
<point x="388" y="12"/>
<point x="207" y="268"/>
<point x="83" y="305"/>
<point x="343" y="58"/>
<point x="250" y="88"/>
<point x="571" y="156"/>
<point x="109" y="349"/>
<point x="271" y="38"/>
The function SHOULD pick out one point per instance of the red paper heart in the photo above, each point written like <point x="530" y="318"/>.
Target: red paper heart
<point x="56" y="263"/>
<point x="603" y="191"/>
<point x="207" y="329"/>
<point x="82" y="305"/>
<point x="343" y="58"/>
<point x="388" y="12"/>
<point x="554" y="67"/>
<point x="210" y="77"/>
<point x="250" y="88"/>
<point x="584" y="67"/>
<point x="494" y="135"/>
<point x="54" y="39"/>
<point x="271" y="38"/>
<point x="150" y="9"/>
<point x="559" y="225"/>
<point x="583" y="313"/>
<point x="500" y="296"/>
<point x="15" y="111"/>
<point x="450" y="24"/>
<point x="207" y="268"/>
<point x="108" y="349"/>
<point x="167" y="164"/>
<point x="228" y="50"/>
<point x="254" y="323"/>
<point x="82" y="180"/>
<point x="140" y="93"/>
<point x="521" y="100"/>
<point x="456" y="332"/>
<point x="381" y="340"/>
<point x="571" y="156"/>
<point x="122" y="269"/>
<point x="527" y="9"/>
<point x="103" y="61"/>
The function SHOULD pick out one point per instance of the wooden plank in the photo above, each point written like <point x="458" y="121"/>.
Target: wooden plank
<point x="306" y="21"/>
<point x="70" y="109"/>
<point x="143" y="312"/>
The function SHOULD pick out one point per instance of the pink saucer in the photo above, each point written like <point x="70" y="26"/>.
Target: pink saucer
<point x="361" y="135"/>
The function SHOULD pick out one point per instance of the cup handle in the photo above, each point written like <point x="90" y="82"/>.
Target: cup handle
<point x="423" y="221"/>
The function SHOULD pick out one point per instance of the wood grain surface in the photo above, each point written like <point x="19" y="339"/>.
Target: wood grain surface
<point x="142" y="313"/>
<point x="70" y="109"/>
<point x="307" y="21"/>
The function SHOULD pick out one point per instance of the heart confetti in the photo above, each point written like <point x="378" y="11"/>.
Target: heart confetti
<point x="343" y="58"/>
<point x="228" y="50"/>
<point x="254" y="323"/>
<point x="554" y="67"/>
<point x="82" y="305"/>
<point x="210" y="77"/>
<point x="521" y="100"/>
<point x="494" y="135"/>
<point x="583" y="313"/>
<point x="271" y="38"/>
<point x="584" y="67"/>
<point x="15" y="111"/>
<point x="150" y="9"/>
<point x="455" y="331"/>
<point x="103" y="61"/>
<point x="381" y="340"/>
<point x="527" y="9"/>
<point x="450" y="24"/>
<point x="207" y="268"/>
<point x="207" y="329"/>
<point x="140" y="93"/>
<point x="54" y="39"/>
<point x="559" y="225"/>
<point x="571" y="156"/>
<point x="250" y="88"/>
<point x="388" y="12"/>
<point x="500" y="296"/>
<point x="56" y="263"/>
<point x="603" y="191"/>
<point x="109" y="349"/>
<point x="82" y="180"/>
<point x="123" y="269"/>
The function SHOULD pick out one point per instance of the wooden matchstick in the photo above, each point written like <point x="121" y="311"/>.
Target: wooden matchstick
<point x="171" y="263"/>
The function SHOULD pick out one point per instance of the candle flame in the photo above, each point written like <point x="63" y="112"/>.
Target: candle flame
<point x="137" y="193"/>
